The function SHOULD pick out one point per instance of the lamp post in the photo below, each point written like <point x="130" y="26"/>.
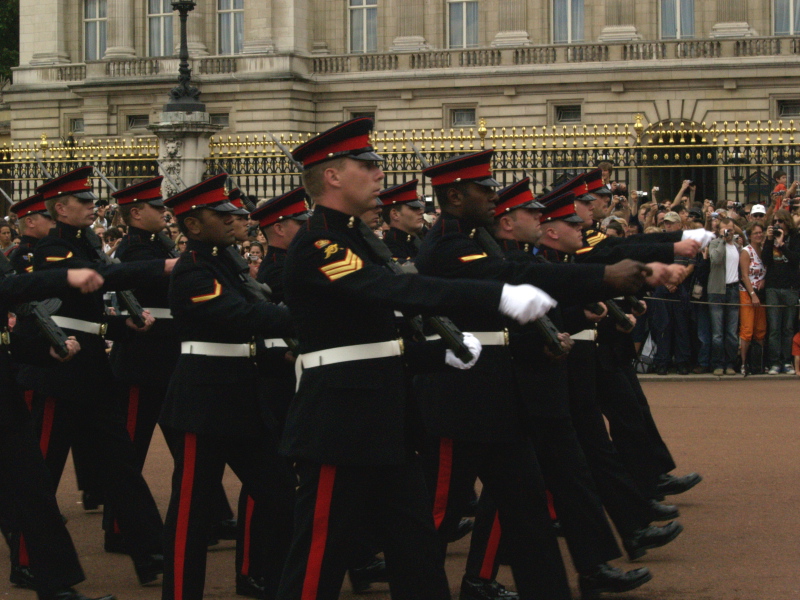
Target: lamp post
<point x="184" y="97"/>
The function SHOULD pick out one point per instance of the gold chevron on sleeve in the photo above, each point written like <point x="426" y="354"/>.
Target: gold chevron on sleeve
<point x="471" y="257"/>
<point x="349" y="264"/>
<point x="206" y="297"/>
<point x="57" y="258"/>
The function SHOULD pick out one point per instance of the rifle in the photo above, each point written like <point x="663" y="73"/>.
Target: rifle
<point x="288" y="153"/>
<point x="52" y="332"/>
<point x="6" y="196"/>
<point x="615" y="312"/>
<point x="544" y="325"/>
<point x="170" y="179"/>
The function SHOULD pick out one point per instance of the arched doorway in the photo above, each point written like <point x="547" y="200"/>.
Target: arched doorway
<point x="674" y="152"/>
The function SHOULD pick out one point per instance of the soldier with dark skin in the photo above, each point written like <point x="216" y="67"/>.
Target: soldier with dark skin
<point x="213" y="413"/>
<point x="83" y="387"/>
<point x="469" y="436"/>
<point x="348" y="427"/>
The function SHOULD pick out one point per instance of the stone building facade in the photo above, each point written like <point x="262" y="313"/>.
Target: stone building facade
<point x="102" y="68"/>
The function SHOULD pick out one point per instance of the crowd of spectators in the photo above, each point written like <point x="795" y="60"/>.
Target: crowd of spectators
<point x="736" y="311"/>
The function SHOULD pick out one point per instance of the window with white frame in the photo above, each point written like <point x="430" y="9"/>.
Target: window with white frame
<point x="94" y="29"/>
<point x="567" y="21"/>
<point x="677" y="19"/>
<point x="462" y="24"/>
<point x="230" y="26"/>
<point x="787" y="17"/>
<point x="159" y="28"/>
<point x="363" y="26"/>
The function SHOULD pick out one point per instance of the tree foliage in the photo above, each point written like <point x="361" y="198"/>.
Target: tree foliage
<point x="9" y="37"/>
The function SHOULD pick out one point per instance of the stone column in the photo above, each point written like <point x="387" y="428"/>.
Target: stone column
<point x="511" y="15"/>
<point x="195" y="31"/>
<point x="257" y="27"/>
<point x="410" y="19"/>
<point x="290" y="25"/>
<point x="43" y="32"/>
<point x="620" y="22"/>
<point x="120" y="29"/>
<point x="732" y="20"/>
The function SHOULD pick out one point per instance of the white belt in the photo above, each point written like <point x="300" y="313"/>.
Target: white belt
<point x="275" y="343"/>
<point x="331" y="356"/>
<point x="158" y="313"/>
<point x="79" y="325"/>
<point x="587" y="335"/>
<point x="214" y="349"/>
<point x="486" y="338"/>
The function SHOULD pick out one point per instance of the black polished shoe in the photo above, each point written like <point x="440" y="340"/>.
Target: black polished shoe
<point x="651" y="537"/>
<point x="149" y="568"/>
<point x="683" y="369"/>
<point x="663" y="512"/>
<point x="22" y="577"/>
<point x="225" y="530"/>
<point x="464" y="527"/>
<point x="252" y="587"/>
<point x="92" y="500"/>
<point x="475" y="588"/>
<point x="361" y="578"/>
<point x="611" y="580"/>
<point x="70" y="594"/>
<point x="669" y="485"/>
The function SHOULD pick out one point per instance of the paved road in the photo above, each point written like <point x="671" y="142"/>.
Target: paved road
<point x="742" y="522"/>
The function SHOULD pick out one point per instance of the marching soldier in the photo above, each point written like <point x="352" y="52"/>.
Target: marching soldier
<point x="403" y="213"/>
<point x="213" y="410"/>
<point x="471" y="436"/>
<point x="82" y="388"/>
<point x="34" y="224"/>
<point x="28" y="497"/>
<point x="347" y="427"/>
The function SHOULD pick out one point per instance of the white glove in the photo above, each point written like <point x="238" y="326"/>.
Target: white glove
<point x="525" y="302"/>
<point x="701" y="235"/>
<point x="471" y="342"/>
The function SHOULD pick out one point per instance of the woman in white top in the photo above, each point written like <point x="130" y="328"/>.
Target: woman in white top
<point x="752" y="315"/>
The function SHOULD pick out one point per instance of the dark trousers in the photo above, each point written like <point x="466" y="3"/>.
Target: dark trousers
<point x="391" y="501"/>
<point x="99" y="425"/>
<point x="28" y="503"/>
<point x="199" y="464"/>
<point x="669" y="325"/>
<point x="633" y="430"/>
<point x="578" y="505"/>
<point x="511" y="475"/>
<point x="624" y="502"/>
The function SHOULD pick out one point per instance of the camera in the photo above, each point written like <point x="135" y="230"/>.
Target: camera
<point x="252" y="258"/>
<point x="656" y="189"/>
<point x="727" y="232"/>
<point x="641" y="194"/>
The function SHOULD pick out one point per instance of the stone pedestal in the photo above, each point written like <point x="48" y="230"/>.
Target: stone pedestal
<point x="183" y="147"/>
<point x="409" y="43"/>
<point x="619" y="33"/>
<point x="732" y="30"/>
<point x="511" y="38"/>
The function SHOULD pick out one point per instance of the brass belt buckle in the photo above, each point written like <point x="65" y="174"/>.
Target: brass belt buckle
<point x="103" y="329"/>
<point x="506" y="340"/>
<point x="402" y="345"/>
<point x="252" y="348"/>
<point x="5" y="338"/>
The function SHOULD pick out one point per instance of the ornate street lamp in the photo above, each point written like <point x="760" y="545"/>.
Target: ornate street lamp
<point x="184" y="97"/>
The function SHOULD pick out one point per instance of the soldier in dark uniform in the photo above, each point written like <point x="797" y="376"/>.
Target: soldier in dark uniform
<point x="543" y="381"/>
<point x="27" y="498"/>
<point x="213" y="410"/>
<point x="83" y="387"/>
<point x="403" y="212"/>
<point x="34" y="224"/>
<point x="347" y="429"/>
<point x="471" y="436"/>
<point x="631" y="424"/>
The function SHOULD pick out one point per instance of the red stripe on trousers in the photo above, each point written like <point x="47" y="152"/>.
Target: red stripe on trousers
<point x="443" y="480"/>
<point x="184" y="508"/>
<point x="248" y="520"/>
<point x="487" y="568"/>
<point x="47" y="425"/>
<point x="319" y="531"/>
<point x="24" y="559"/>
<point x="551" y="507"/>
<point x="133" y="410"/>
<point x="28" y="395"/>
